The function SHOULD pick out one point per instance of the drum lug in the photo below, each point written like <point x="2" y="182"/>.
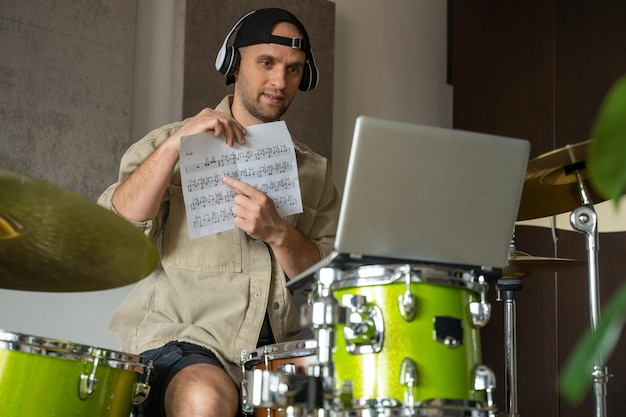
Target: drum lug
<point x="142" y="390"/>
<point x="485" y="380"/>
<point x="409" y="378"/>
<point x="142" y="386"/>
<point x="364" y="331"/>
<point x="406" y="302"/>
<point x="480" y="311"/>
<point x="287" y="369"/>
<point x="88" y="381"/>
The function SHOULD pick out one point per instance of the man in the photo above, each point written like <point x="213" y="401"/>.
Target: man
<point x="212" y="298"/>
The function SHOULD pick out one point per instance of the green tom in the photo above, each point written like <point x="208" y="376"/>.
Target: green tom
<point x="411" y="342"/>
<point x="42" y="377"/>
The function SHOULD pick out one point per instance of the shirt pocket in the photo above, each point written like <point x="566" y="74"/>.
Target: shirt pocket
<point x="217" y="253"/>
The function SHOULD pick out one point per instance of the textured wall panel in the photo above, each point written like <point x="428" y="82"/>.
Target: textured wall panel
<point x="66" y="72"/>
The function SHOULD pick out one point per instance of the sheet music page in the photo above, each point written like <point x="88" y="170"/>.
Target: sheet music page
<point x="267" y="161"/>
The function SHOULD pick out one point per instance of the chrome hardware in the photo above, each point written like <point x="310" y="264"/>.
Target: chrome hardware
<point x="88" y="381"/>
<point x="287" y="369"/>
<point x="480" y="311"/>
<point x="142" y="386"/>
<point x="278" y="390"/>
<point x="408" y="378"/>
<point x="247" y="407"/>
<point x="485" y="380"/>
<point x="141" y="392"/>
<point x="406" y="302"/>
<point x="364" y="331"/>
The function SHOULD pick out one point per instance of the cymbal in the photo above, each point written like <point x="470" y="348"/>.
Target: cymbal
<point x="549" y="186"/>
<point x="54" y="240"/>
<point x="521" y="264"/>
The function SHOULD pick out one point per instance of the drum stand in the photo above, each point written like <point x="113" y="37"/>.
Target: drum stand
<point x="584" y="220"/>
<point x="508" y="286"/>
<point x="322" y="314"/>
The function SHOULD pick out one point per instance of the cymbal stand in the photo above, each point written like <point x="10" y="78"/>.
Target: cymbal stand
<point x="584" y="220"/>
<point x="508" y="287"/>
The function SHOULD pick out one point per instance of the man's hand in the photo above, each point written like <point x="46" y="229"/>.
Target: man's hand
<point x="257" y="216"/>
<point x="209" y="120"/>
<point x="256" y="213"/>
<point x="139" y="196"/>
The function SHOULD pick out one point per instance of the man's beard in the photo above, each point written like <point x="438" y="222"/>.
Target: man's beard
<point x="252" y="104"/>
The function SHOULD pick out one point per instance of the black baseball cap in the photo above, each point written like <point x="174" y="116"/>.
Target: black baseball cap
<point x="257" y="28"/>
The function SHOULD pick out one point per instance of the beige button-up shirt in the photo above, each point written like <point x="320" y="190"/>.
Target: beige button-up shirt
<point x="214" y="291"/>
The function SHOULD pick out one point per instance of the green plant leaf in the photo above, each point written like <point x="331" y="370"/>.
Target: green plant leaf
<point x="576" y="377"/>
<point x="607" y="152"/>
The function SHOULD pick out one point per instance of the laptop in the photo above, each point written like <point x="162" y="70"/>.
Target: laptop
<point x="424" y="194"/>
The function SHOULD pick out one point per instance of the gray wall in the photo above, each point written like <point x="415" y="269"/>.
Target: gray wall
<point x="389" y="62"/>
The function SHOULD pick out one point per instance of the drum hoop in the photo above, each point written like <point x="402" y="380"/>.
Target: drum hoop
<point x="63" y="349"/>
<point x="282" y="351"/>
<point x="395" y="273"/>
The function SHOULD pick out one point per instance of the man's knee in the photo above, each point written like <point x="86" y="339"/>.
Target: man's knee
<point x="201" y="390"/>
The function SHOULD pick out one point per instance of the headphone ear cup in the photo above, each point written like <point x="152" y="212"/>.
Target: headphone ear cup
<point x="306" y="77"/>
<point x="309" y="77"/>
<point x="227" y="57"/>
<point x="229" y="62"/>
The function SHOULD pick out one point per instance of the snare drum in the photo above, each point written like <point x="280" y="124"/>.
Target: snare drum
<point x="42" y="377"/>
<point x="286" y="358"/>
<point x="410" y="341"/>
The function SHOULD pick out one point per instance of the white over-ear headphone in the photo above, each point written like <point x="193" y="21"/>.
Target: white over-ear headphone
<point x="226" y="60"/>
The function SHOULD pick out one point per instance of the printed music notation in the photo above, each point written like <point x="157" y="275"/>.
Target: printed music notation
<point x="238" y="157"/>
<point x="246" y="174"/>
<point x="267" y="162"/>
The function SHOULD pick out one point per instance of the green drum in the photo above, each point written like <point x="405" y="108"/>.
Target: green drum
<point x="410" y="343"/>
<point x="42" y="377"/>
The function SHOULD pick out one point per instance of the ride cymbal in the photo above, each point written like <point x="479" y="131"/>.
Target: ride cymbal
<point x="54" y="240"/>
<point x="522" y="264"/>
<point x="551" y="186"/>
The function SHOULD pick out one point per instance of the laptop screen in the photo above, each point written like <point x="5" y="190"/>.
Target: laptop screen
<point x="424" y="194"/>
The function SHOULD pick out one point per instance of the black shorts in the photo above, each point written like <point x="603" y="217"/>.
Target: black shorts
<point x="167" y="361"/>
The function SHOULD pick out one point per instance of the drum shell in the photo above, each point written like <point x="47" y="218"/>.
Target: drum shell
<point x="41" y="377"/>
<point x="443" y="372"/>
<point x="299" y="353"/>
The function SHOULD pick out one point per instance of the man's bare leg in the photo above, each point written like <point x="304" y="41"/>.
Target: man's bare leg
<point x="201" y="390"/>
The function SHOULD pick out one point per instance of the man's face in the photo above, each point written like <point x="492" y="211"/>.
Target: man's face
<point x="267" y="78"/>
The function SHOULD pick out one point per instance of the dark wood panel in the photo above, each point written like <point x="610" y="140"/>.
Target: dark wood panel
<point x="539" y="70"/>
<point x="591" y="56"/>
<point x="503" y="67"/>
